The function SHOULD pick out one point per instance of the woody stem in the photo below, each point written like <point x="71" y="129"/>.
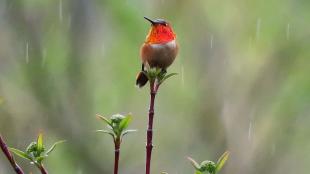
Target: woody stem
<point x="117" y="144"/>
<point x="10" y="157"/>
<point x="42" y="169"/>
<point x="149" y="144"/>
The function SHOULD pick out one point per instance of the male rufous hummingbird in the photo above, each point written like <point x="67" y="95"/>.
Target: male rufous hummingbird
<point x="158" y="50"/>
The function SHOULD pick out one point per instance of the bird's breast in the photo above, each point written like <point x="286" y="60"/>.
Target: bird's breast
<point x="162" y="46"/>
<point x="159" y="55"/>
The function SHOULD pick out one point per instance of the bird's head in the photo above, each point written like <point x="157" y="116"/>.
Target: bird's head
<point x="160" y="32"/>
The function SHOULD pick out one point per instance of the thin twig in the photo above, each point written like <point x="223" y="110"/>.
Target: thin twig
<point x="42" y="169"/>
<point x="10" y="157"/>
<point x="117" y="154"/>
<point x="149" y="144"/>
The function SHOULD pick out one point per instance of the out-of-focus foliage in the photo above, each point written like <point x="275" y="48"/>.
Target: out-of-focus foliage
<point x="36" y="152"/>
<point x="243" y="83"/>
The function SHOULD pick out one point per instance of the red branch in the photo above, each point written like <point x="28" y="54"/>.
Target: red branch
<point x="117" y="144"/>
<point x="10" y="157"/>
<point x="42" y="169"/>
<point x="149" y="144"/>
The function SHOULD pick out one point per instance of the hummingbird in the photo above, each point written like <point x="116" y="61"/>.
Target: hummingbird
<point x="159" y="49"/>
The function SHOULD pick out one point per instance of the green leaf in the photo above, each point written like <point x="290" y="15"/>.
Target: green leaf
<point x="104" y="119"/>
<point x="107" y="132"/>
<point x="40" y="159"/>
<point x="197" y="172"/>
<point x="110" y="127"/>
<point x="158" y="71"/>
<point x="167" y="76"/>
<point x="194" y="163"/>
<point x="20" y="153"/>
<point x="53" y="147"/>
<point x="207" y="166"/>
<point x="125" y="122"/>
<point x="153" y="73"/>
<point x="31" y="147"/>
<point x="40" y="143"/>
<point x="221" y="161"/>
<point x="128" y="131"/>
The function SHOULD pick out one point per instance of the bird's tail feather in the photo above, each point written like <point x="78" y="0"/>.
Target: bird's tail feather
<point x="141" y="79"/>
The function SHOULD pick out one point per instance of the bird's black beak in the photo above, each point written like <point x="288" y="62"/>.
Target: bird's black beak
<point x="150" y="20"/>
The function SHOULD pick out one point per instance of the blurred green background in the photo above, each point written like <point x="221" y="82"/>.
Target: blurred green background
<point x="243" y="83"/>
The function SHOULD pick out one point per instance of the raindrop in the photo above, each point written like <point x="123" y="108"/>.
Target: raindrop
<point x="60" y="11"/>
<point x="211" y="41"/>
<point x="250" y="131"/>
<point x="103" y="48"/>
<point x="250" y="42"/>
<point x="288" y="28"/>
<point x="182" y="75"/>
<point x="27" y="52"/>
<point x="43" y="57"/>
<point x="3" y="5"/>
<point x="79" y="171"/>
<point x="69" y="21"/>
<point x="273" y="149"/>
<point x="258" y="26"/>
